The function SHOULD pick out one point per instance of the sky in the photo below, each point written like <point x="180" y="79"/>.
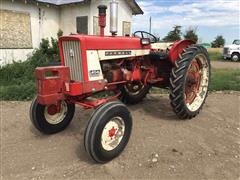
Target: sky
<point x="210" y="17"/>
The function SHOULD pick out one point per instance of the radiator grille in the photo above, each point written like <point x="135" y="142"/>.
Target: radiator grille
<point x="73" y="59"/>
<point x="225" y="50"/>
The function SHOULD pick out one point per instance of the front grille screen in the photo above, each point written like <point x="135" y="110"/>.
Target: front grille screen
<point x="73" y="59"/>
<point x="225" y="50"/>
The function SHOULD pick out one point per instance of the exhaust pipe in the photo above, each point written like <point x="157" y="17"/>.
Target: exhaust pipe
<point x="102" y="18"/>
<point x="113" y="17"/>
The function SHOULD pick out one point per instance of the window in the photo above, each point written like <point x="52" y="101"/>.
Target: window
<point x="237" y="42"/>
<point x="15" y="30"/>
<point x="96" y="28"/>
<point x="126" y="28"/>
<point x="82" y="25"/>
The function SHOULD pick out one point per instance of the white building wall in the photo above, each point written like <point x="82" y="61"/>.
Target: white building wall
<point x="124" y="14"/>
<point x="45" y="26"/>
<point x="54" y="18"/>
<point x="68" y="15"/>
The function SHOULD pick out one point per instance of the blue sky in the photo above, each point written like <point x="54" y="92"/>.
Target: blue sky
<point x="211" y="17"/>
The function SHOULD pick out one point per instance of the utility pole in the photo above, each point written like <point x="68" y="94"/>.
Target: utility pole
<point x="150" y="24"/>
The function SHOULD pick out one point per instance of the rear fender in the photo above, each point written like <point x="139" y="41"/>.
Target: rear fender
<point x="178" y="48"/>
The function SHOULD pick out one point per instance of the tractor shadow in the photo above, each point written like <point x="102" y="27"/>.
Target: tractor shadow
<point x="156" y="106"/>
<point x="77" y="130"/>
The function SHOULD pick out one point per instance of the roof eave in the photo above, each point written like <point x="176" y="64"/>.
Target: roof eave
<point x="140" y="11"/>
<point x="60" y="4"/>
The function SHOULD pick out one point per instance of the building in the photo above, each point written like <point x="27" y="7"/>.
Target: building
<point x="25" y="22"/>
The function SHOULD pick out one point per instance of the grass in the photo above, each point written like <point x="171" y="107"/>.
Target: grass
<point x="17" y="80"/>
<point x="225" y="79"/>
<point x="24" y="87"/>
<point x="221" y="80"/>
<point x="215" y="56"/>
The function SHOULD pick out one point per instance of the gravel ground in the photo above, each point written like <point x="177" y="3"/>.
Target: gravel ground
<point x="161" y="147"/>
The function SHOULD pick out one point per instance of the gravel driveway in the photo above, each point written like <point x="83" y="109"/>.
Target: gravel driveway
<point x="160" y="147"/>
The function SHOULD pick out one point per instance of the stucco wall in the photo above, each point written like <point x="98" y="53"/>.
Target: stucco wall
<point x="124" y="14"/>
<point x="46" y="22"/>
<point x="45" y="26"/>
<point x="68" y="14"/>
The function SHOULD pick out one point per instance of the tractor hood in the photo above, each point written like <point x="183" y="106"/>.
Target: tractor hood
<point x="106" y="43"/>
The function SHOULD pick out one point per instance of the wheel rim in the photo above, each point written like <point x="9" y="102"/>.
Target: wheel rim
<point x="113" y="133"/>
<point x="235" y="58"/>
<point x="197" y="80"/>
<point x="134" y="88"/>
<point x="53" y="115"/>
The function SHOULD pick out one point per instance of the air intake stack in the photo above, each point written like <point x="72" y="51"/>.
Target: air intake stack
<point x="113" y="17"/>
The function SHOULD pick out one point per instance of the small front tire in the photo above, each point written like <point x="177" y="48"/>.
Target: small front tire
<point x="235" y="57"/>
<point x="108" y="131"/>
<point x="48" y="120"/>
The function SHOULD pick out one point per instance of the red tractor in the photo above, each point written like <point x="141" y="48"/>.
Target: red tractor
<point x="99" y="71"/>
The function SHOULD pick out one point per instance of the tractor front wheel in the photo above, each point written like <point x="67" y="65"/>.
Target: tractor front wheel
<point x="108" y="131"/>
<point x="189" y="82"/>
<point x="52" y="118"/>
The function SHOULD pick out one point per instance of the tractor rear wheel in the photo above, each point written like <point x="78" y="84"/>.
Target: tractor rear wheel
<point x="134" y="92"/>
<point x="50" y="120"/>
<point x="108" y="131"/>
<point x="189" y="82"/>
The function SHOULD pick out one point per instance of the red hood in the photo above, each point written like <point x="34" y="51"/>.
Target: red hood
<point x="106" y="42"/>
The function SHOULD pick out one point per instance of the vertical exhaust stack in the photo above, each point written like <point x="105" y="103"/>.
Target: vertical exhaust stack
<point x="102" y="18"/>
<point x="113" y="17"/>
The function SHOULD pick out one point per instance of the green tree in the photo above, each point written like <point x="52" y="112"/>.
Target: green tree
<point x="191" y="33"/>
<point x="218" y="42"/>
<point x="173" y="35"/>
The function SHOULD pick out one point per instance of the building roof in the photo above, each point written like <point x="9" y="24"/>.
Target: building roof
<point x="60" y="2"/>
<point x="132" y="4"/>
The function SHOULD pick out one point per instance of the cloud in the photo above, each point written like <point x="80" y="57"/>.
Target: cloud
<point x="208" y="13"/>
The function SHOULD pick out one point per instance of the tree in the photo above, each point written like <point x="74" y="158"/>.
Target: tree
<point x="218" y="42"/>
<point x="191" y="33"/>
<point x="173" y="35"/>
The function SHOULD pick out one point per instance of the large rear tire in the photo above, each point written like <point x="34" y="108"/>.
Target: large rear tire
<point x="189" y="82"/>
<point x="134" y="92"/>
<point x="108" y="131"/>
<point x="48" y="120"/>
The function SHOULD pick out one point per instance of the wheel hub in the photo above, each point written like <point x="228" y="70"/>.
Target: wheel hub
<point x="196" y="83"/>
<point x="52" y="109"/>
<point x="54" y="114"/>
<point x="112" y="133"/>
<point x="134" y="87"/>
<point x="193" y="81"/>
<point x="235" y="58"/>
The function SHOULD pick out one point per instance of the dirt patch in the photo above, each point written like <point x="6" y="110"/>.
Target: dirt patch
<point x="225" y="65"/>
<point x="160" y="147"/>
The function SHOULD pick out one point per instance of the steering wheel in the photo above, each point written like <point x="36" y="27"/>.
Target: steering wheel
<point x="144" y="34"/>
